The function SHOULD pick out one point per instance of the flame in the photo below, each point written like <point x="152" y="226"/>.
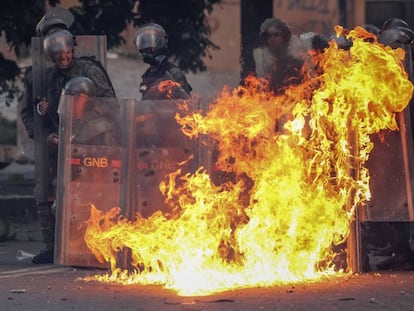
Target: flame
<point x="298" y="161"/>
<point x="167" y="88"/>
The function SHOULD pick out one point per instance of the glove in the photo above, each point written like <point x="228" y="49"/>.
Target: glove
<point x="42" y="107"/>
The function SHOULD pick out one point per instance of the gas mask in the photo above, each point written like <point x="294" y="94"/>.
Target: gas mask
<point x="153" y="58"/>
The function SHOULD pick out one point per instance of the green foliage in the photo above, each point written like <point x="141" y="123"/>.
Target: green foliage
<point x="103" y="17"/>
<point x="18" y="20"/>
<point x="17" y="23"/>
<point x="9" y="72"/>
<point x="183" y="20"/>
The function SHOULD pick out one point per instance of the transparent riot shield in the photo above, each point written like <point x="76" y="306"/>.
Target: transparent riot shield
<point x="45" y="164"/>
<point x="86" y="46"/>
<point x="391" y="174"/>
<point x="89" y="172"/>
<point x="385" y="220"/>
<point x="156" y="148"/>
<point x="40" y="66"/>
<point x="391" y="167"/>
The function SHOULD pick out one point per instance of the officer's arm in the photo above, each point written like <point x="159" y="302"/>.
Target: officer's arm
<point x="103" y="85"/>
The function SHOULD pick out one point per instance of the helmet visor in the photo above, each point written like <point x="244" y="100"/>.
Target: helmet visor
<point x="150" y="37"/>
<point x="58" y="42"/>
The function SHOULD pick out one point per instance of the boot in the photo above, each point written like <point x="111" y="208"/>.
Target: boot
<point x="399" y="261"/>
<point x="44" y="257"/>
<point x="47" y="224"/>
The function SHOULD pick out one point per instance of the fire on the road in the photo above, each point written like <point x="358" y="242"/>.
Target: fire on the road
<point x="299" y="180"/>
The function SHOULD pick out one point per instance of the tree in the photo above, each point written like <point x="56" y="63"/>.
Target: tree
<point x="17" y="23"/>
<point x="184" y="21"/>
<point x="186" y="28"/>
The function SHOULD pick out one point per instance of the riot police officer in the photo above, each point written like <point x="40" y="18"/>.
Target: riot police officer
<point x="26" y="110"/>
<point x="59" y="45"/>
<point x="163" y="79"/>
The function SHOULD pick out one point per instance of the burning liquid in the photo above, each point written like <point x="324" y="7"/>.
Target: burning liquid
<point x="296" y="186"/>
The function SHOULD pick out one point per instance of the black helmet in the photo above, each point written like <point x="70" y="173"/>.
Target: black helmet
<point x="150" y="36"/>
<point x="394" y="23"/>
<point x="58" y="41"/>
<point x="371" y="28"/>
<point x="394" y="37"/>
<point x="51" y="24"/>
<point x="342" y="41"/>
<point x="80" y="86"/>
<point x="55" y="18"/>
<point x="408" y="32"/>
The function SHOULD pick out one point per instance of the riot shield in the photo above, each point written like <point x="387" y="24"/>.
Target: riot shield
<point x="40" y="67"/>
<point x="157" y="147"/>
<point x="89" y="172"/>
<point x="391" y="167"/>
<point x="385" y="220"/>
<point x="46" y="158"/>
<point x="391" y="175"/>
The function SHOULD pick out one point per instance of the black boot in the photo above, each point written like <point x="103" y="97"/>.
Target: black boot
<point x="44" y="257"/>
<point x="47" y="224"/>
<point x="399" y="261"/>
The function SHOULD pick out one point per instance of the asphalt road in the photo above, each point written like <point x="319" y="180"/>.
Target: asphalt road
<point x="25" y="286"/>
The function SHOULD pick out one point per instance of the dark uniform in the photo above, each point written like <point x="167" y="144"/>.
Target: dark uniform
<point x="151" y="89"/>
<point x="163" y="79"/>
<point x="80" y="67"/>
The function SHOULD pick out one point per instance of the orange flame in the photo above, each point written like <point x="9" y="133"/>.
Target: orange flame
<point x="298" y="180"/>
<point x="167" y="87"/>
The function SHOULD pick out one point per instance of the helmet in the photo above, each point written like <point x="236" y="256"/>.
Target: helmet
<point x="150" y="36"/>
<point x="394" y="23"/>
<point x="394" y="37"/>
<point x="371" y="28"/>
<point x="58" y="41"/>
<point x="80" y="86"/>
<point x="342" y="41"/>
<point x="56" y="17"/>
<point x="51" y="24"/>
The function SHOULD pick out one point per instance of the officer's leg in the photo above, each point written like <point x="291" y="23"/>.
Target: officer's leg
<point x="47" y="225"/>
<point x="47" y="216"/>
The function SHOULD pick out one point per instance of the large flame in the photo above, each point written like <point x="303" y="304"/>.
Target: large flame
<point x="296" y="185"/>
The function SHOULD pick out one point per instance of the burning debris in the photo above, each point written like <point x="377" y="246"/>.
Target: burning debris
<point x="299" y="175"/>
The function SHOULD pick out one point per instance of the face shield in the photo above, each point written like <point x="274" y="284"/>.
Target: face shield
<point x="395" y="37"/>
<point x="57" y="43"/>
<point x="150" y="36"/>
